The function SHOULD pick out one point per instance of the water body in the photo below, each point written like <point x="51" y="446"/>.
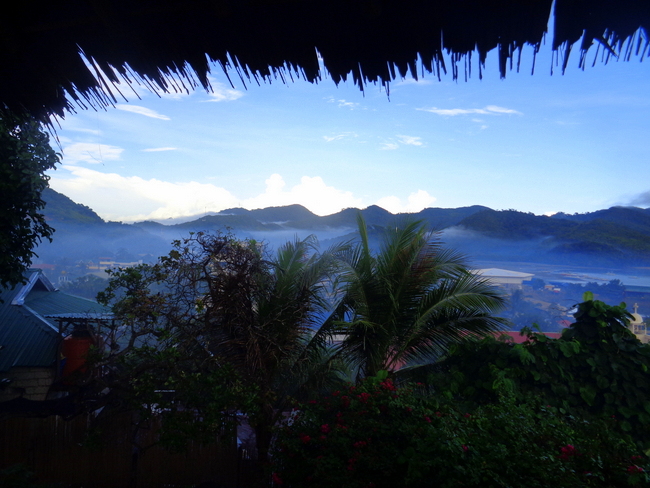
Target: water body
<point x="633" y="276"/>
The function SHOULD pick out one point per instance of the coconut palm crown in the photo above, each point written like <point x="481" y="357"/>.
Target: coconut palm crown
<point x="405" y="305"/>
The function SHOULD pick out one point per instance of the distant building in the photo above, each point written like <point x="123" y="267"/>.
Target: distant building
<point x="504" y="277"/>
<point x="638" y="326"/>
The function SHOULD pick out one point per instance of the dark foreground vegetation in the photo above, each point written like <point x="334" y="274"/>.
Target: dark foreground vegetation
<point x="359" y="369"/>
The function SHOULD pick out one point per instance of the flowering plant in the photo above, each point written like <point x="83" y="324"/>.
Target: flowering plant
<point x="378" y="435"/>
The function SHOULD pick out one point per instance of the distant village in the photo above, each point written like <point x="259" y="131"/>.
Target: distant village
<point x="536" y="303"/>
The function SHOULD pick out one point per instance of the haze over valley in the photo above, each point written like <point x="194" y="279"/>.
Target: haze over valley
<point x="596" y="247"/>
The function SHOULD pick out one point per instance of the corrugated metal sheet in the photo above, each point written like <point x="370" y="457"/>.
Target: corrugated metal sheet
<point x="47" y="303"/>
<point x="27" y="338"/>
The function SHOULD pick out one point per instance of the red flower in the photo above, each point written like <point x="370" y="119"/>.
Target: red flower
<point x="336" y="393"/>
<point x="438" y="414"/>
<point x="465" y="448"/>
<point x="276" y="479"/>
<point x="359" y="444"/>
<point x="305" y="438"/>
<point x="427" y="419"/>
<point x="634" y="469"/>
<point x="467" y="415"/>
<point x="567" y="451"/>
<point x="363" y="397"/>
<point x="325" y="428"/>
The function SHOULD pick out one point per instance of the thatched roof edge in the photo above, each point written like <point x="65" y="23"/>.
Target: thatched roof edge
<point x="169" y="45"/>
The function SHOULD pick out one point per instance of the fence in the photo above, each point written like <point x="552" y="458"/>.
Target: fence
<point x="57" y="451"/>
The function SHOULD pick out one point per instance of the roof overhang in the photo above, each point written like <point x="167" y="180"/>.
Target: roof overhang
<point x="169" y="45"/>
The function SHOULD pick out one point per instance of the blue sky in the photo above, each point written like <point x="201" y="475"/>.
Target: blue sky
<point x="576" y="142"/>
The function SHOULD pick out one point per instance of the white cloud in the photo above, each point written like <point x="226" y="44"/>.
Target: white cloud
<point x="311" y="192"/>
<point x="117" y="197"/>
<point x="158" y="149"/>
<point x="126" y="199"/>
<point x="339" y="136"/>
<point x="412" y="81"/>
<point x="343" y="103"/>
<point x="410" y="140"/>
<point x="89" y="152"/>
<point x="389" y="146"/>
<point x="415" y="202"/>
<point x="488" y="110"/>
<point x="221" y="93"/>
<point x="137" y="109"/>
<point x="501" y="110"/>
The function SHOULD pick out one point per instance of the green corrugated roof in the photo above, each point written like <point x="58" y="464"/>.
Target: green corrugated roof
<point x="47" y="303"/>
<point x="28" y="337"/>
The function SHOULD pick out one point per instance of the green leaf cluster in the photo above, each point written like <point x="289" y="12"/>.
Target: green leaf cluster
<point x="597" y="368"/>
<point x="25" y="156"/>
<point x="374" y="434"/>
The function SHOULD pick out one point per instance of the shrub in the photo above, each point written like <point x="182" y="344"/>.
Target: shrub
<point x="377" y="435"/>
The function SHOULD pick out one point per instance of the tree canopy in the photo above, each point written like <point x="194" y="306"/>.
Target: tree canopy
<point x="25" y="156"/>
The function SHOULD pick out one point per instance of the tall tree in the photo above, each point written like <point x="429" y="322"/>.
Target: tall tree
<point x="408" y="303"/>
<point x="223" y="303"/>
<point x="25" y="156"/>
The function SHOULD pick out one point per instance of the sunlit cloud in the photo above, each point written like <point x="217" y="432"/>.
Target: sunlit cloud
<point x="91" y="153"/>
<point x="410" y="140"/>
<point x="159" y="149"/>
<point x="311" y="192"/>
<point x="414" y="203"/>
<point x="221" y="93"/>
<point x="488" y="110"/>
<point x="114" y="197"/>
<point x="137" y="109"/>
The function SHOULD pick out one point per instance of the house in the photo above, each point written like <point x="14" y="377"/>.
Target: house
<point x="35" y="321"/>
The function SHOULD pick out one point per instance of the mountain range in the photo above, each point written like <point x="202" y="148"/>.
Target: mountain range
<point x="618" y="236"/>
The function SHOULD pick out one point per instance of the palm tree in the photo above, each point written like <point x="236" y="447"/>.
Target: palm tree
<point x="408" y="303"/>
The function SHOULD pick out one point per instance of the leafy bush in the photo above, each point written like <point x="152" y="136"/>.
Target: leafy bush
<point x="377" y="435"/>
<point x="597" y="368"/>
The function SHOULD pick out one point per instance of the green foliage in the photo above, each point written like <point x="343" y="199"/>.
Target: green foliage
<point x="376" y="435"/>
<point x="25" y="156"/>
<point x="410" y="301"/>
<point x="61" y="209"/>
<point x="597" y="368"/>
<point x="223" y="326"/>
